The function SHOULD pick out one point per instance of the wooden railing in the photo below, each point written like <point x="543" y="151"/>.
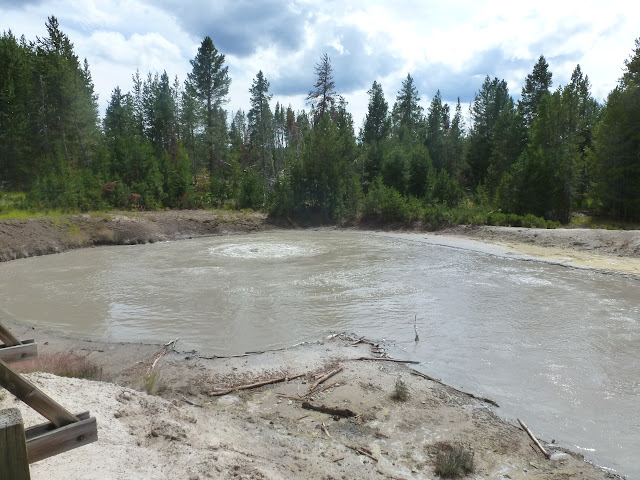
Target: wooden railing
<point x="63" y="432"/>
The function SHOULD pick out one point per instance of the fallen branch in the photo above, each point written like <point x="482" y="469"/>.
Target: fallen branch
<point x="482" y="399"/>
<point x="215" y="357"/>
<point x="165" y="349"/>
<point x="338" y="459"/>
<point x="322" y="389"/>
<point x="362" y="451"/>
<point x="288" y="397"/>
<point x="220" y="393"/>
<point x="535" y="440"/>
<point x="323" y="379"/>
<point x="384" y="359"/>
<point x="324" y="429"/>
<point x="186" y="400"/>
<point x="334" y="411"/>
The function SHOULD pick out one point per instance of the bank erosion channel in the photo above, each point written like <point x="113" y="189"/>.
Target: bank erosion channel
<point x="555" y="346"/>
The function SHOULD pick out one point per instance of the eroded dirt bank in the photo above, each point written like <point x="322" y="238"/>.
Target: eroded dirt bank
<point x="44" y="235"/>
<point x="265" y="433"/>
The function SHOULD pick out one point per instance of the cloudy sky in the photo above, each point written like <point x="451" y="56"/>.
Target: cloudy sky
<point x="449" y="45"/>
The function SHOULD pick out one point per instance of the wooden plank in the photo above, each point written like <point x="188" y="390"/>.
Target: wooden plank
<point x="34" y="397"/>
<point x="13" y="449"/>
<point x="27" y="350"/>
<point x="42" y="428"/>
<point x="7" y="337"/>
<point x="59" y="440"/>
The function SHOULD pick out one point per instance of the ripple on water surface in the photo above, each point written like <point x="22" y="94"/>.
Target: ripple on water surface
<point x="262" y="250"/>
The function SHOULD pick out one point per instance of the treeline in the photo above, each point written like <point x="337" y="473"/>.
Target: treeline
<point x="171" y="143"/>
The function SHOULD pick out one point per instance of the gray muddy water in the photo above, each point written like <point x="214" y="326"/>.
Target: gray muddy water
<point x="557" y="347"/>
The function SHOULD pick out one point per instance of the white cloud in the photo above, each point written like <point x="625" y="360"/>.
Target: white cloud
<point x="448" y="46"/>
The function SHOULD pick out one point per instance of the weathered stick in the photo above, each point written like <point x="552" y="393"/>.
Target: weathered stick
<point x="324" y="429"/>
<point x="334" y="411"/>
<point x="166" y="349"/>
<point x="482" y="399"/>
<point x="384" y="359"/>
<point x="321" y="389"/>
<point x="324" y="379"/>
<point x="362" y="451"/>
<point x="535" y="440"/>
<point x="189" y="402"/>
<point x="220" y="393"/>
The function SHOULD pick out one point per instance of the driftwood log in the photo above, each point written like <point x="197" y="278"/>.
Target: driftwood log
<point x="383" y="359"/>
<point x="322" y="379"/>
<point x="219" y="393"/>
<point x="427" y="377"/>
<point x="333" y="411"/>
<point x="535" y="440"/>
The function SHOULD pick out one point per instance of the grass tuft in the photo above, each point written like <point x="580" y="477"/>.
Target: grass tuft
<point x="453" y="461"/>
<point x="63" y="364"/>
<point x="152" y="383"/>
<point x="400" y="391"/>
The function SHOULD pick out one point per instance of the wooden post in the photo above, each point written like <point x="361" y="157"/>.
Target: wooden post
<point x="34" y="397"/>
<point x="14" y="463"/>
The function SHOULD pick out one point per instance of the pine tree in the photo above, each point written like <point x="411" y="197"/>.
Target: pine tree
<point x="260" y="124"/>
<point x="323" y="98"/>
<point x="537" y="84"/>
<point x="438" y="124"/>
<point x="455" y="143"/>
<point x="209" y="81"/>
<point x="377" y="123"/>
<point x="617" y="143"/>
<point x="407" y="114"/>
<point x="487" y="107"/>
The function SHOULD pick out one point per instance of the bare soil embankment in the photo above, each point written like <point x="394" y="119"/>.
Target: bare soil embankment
<point x="45" y="235"/>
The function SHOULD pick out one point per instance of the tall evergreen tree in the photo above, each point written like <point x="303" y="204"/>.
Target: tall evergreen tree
<point x="261" y="124"/>
<point x="537" y="84"/>
<point x="375" y="133"/>
<point x="407" y="114"/>
<point x="455" y="143"/>
<point x="617" y="145"/>
<point x="323" y="98"/>
<point x="492" y="99"/>
<point x="377" y="124"/>
<point x="209" y="81"/>
<point x="438" y="123"/>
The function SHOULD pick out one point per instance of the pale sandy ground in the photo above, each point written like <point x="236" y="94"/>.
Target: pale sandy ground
<point x="610" y="250"/>
<point x="255" y="434"/>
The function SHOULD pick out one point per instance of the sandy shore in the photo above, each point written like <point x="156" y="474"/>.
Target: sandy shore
<point x="265" y="433"/>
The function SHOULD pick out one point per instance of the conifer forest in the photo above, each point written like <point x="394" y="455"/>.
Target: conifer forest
<point x="170" y="143"/>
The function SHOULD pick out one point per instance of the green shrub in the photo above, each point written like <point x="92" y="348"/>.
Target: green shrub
<point x="385" y="204"/>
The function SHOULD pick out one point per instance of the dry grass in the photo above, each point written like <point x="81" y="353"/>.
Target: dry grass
<point x="453" y="461"/>
<point x="62" y="364"/>
<point x="400" y="391"/>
